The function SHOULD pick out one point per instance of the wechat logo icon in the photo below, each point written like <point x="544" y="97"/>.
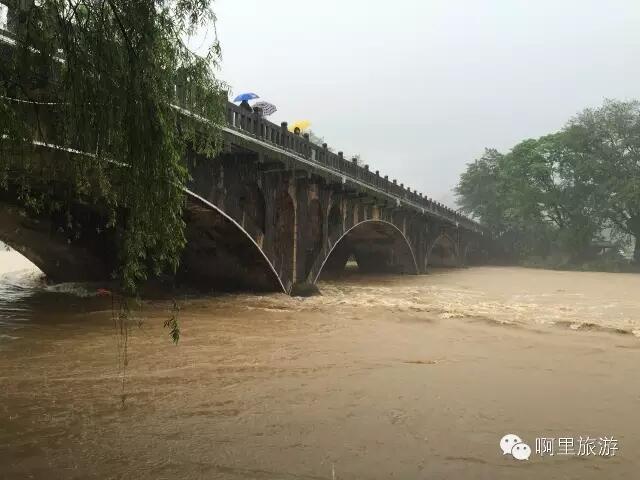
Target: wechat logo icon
<point x="513" y="445"/>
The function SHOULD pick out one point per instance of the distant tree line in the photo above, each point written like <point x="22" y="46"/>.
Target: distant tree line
<point x="564" y="193"/>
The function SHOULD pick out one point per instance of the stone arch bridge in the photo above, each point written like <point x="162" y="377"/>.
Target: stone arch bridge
<point x="272" y="211"/>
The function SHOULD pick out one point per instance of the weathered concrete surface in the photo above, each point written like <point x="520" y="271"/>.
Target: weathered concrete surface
<point x="304" y="222"/>
<point x="43" y="241"/>
<point x="258" y="223"/>
<point x="272" y="211"/>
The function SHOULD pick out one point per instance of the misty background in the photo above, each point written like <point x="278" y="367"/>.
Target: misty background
<point x="420" y="88"/>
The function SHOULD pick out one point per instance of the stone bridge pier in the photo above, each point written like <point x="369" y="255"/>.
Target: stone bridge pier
<point x="258" y="221"/>
<point x="306" y="224"/>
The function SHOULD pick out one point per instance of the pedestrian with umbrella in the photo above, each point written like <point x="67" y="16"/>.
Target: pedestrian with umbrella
<point x="244" y="98"/>
<point x="265" y="108"/>
<point x="299" y="126"/>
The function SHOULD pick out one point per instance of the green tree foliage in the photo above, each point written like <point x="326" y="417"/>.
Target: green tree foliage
<point x="104" y="77"/>
<point x="560" y="192"/>
<point x="607" y="139"/>
<point x="478" y="190"/>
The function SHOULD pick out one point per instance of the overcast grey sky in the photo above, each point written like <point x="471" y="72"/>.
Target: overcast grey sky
<point x="419" y="88"/>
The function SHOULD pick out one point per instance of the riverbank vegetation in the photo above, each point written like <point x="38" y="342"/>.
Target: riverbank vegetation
<point x="569" y="199"/>
<point x="101" y="81"/>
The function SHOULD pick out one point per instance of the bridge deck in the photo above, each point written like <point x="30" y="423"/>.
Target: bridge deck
<point x="256" y="132"/>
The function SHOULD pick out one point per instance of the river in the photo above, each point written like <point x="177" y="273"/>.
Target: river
<point x="380" y="377"/>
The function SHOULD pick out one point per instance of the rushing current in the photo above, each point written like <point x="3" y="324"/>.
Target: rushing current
<point x="379" y="377"/>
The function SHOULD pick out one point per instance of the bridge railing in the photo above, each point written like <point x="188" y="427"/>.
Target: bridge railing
<point x="253" y="124"/>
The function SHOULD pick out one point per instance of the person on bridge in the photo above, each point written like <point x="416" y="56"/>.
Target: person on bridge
<point x="245" y="106"/>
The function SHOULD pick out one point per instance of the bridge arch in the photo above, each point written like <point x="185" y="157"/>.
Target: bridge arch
<point x="219" y="252"/>
<point x="219" y="249"/>
<point x="43" y="241"/>
<point x="40" y="241"/>
<point x="473" y="253"/>
<point x="377" y="245"/>
<point x="443" y="252"/>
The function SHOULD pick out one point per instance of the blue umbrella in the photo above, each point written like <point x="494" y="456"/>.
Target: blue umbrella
<point x="245" y="96"/>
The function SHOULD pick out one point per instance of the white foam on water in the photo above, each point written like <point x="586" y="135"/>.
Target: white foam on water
<point x="70" y="288"/>
<point x="575" y="310"/>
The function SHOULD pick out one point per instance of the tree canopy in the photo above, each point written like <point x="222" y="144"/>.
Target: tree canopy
<point x="562" y="191"/>
<point x="104" y="78"/>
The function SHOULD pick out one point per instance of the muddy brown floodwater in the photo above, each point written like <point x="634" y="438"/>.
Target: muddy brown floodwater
<point x="410" y="377"/>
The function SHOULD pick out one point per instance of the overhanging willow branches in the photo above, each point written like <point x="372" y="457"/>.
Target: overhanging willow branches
<point x="113" y="69"/>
